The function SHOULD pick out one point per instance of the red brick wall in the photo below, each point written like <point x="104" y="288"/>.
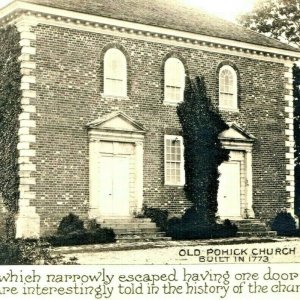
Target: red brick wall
<point x="69" y="86"/>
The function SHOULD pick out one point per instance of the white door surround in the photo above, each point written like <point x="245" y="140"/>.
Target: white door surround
<point x="236" y="175"/>
<point x="115" y="166"/>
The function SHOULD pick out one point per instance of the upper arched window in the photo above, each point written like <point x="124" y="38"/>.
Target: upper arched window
<point x="228" y="88"/>
<point x="174" y="80"/>
<point x="115" y="73"/>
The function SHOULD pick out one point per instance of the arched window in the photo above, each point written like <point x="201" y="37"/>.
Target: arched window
<point x="228" y="88"/>
<point x="115" y="73"/>
<point x="174" y="80"/>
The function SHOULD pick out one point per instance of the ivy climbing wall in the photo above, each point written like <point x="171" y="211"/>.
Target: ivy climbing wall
<point x="10" y="108"/>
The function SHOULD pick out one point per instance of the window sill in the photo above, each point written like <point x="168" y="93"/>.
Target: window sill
<point x="171" y="103"/>
<point x="174" y="185"/>
<point x="114" y="97"/>
<point x="236" y="110"/>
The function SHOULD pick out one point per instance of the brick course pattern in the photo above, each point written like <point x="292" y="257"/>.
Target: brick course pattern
<point x="69" y="94"/>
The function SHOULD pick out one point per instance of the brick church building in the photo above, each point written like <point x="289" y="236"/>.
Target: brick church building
<point x="99" y="135"/>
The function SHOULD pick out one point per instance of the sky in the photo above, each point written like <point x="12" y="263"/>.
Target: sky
<point x="227" y="9"/>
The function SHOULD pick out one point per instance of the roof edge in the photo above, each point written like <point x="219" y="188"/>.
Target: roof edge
<point x="45" y="14"/>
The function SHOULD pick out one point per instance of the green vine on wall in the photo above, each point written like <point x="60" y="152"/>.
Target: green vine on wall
<point x="203" y="152"/>
<point x="10" y="108"/>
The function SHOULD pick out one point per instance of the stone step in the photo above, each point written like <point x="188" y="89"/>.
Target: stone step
<point x="253" y="227"/>
<point x="140" y="235"/>
<point x="248" y="221"/>
<point x="256" y="233"/>
<point x="129" y="226"/>
<point x="135" y="230"/>
<point x="130" y="230"/>
<point x="124" y="220"/>
<point x="250" y="224"/>
<point x="143" y="239"/>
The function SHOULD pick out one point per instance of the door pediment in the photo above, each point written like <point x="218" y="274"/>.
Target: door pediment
<point x="116" y="121"/>
<point x="235" y="133"/>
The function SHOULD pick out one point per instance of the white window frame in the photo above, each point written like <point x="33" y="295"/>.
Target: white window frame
<point x="117" y="55"/>
<point x="181" y="167"/>
<point x="171" y="64"/>
<point x="232" y="93"/>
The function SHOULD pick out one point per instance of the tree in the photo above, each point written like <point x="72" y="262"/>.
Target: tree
<point x="201" y="125"/>
<point x="279" y="19"/>
<point x="296" y="84"/>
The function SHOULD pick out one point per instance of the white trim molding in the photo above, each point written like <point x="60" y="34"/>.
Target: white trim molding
<point x="115" y="128"/>
<point x="235" y="139"/>
<point x="86" y="22"/>
<point x="27" y="221"/>
<point x="289" y="133"/>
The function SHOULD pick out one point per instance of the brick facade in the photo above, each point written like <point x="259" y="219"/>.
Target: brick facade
<point x="62" y="68"/>
<point x="69" y="95"/>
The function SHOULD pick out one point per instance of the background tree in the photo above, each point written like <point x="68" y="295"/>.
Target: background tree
<point x="296" y="84"/>
<point x="203" y="153"/>
<point x="280" y="19"/>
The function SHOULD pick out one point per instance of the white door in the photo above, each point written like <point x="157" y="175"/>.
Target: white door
<point x="229" y="194"/>
<point x="114" y="185"/>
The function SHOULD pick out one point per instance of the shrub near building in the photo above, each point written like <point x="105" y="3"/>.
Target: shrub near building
<point x="71" y="231"/>
<point x="285" y="224"/>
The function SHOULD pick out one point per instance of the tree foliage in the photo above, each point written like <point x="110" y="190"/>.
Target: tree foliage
<point x="296" y="90"/>
<point x="10" y="108"/>
<point x="279" y="19"/>
<point x="203" y="153"/>
<point x="30" y="252"/>
<point x="284" y="224"/>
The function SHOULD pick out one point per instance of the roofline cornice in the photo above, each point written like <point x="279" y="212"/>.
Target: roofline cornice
<point x="39" y="14"/>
